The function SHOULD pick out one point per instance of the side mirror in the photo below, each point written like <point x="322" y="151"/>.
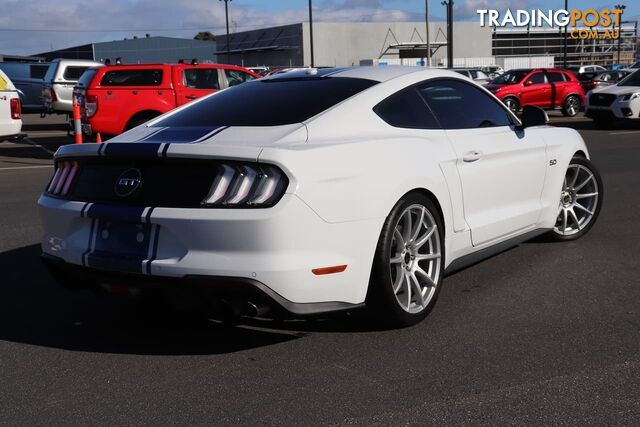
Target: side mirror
<point x="533" y="116"/>
<point x="528" y="83"/>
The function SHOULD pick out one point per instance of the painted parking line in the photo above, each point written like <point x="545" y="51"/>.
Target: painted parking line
<point x="629" y="132"/>
<point x="13" y="168"/>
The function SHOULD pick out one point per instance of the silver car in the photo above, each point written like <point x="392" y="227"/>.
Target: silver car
<point x="61" y="77"/>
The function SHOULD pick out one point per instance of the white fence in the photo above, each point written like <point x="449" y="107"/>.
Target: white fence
<point x="506" y="63"/>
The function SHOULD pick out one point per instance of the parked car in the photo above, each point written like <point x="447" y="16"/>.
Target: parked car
<point x="286" y="206"/>
<point x="492" y="71"/>
<point x="10" y="114"/>
<point x="261" y="70"/>
<point x="607" y="104"/>
<point x="120" y="97"/>
<point x="61" y="77"/>
<point x="28" y="78"/>
<point x="591" y="81"/>
<point x="545" y="88"/>
<point x="474" y="74"/>
<point x="586" y="69"/>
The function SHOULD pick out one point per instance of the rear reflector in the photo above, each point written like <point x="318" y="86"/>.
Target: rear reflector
<point x="329" y="270"/>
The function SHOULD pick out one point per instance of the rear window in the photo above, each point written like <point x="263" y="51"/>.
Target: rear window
<point x="132" y="78"/>
<point x="73" y="73"/>
<point x="268" y="102"/>
<point x="87" y="76"/>
<point x="38" y="71"/>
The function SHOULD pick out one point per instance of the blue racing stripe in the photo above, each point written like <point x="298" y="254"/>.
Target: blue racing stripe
<point x="133" y="149"/>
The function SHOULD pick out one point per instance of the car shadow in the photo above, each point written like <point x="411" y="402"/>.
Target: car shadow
<point x="34" y="310"/>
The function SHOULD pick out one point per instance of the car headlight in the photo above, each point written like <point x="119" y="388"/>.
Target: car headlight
<point x="631" y="96"/>
<point x="248" y="185"/>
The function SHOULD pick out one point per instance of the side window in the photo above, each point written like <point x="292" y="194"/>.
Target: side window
<point x="73" y="73"/>
<point x="537" y="79"/>
<point x="235" y="77"/>
<point x="201" y="78"/>
<point x="459" y="105"/>
<point x="555" y="77"/>
<point x="132" y="77"/>
<point x="406" y="109"/>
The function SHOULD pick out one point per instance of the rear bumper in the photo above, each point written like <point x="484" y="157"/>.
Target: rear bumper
<point x="198" y="288"/>
<point x="13" y="138"/>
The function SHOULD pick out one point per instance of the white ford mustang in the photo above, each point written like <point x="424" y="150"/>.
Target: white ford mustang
<point x="316" y="191"/>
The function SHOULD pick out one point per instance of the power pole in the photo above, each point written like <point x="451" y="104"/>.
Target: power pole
<point x="622" y="8"/>
<point x="426" y="23"/>
<point x="311" y="31"/>
<point x="564" y="54"/>
<point x="449" y="4"/>
<point x="226" y="15"/>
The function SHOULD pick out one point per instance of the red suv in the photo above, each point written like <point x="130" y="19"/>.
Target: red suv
<point x="545" y="88"/>
<point x="116" y="98"/>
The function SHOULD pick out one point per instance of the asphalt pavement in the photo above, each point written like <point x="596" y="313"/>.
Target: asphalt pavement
<point x="545" y="333"/>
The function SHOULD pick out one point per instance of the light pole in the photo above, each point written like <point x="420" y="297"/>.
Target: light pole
<point x="449" y="4"/>
<point x="426" y="23"/>
<point x="311" y="31"/>
<point x="564" y="55"/>
<point x="226" y="15"/>
<point x="622" y="8"/>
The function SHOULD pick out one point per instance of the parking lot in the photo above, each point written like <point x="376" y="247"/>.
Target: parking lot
<point x="543" y="333"/>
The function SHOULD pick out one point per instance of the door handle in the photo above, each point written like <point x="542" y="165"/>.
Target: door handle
<point x="190" y="96"/>
<point x="471" y="156"/>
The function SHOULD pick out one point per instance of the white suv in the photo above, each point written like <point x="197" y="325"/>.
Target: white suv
<point x="61" y="77"/>
<point x="10" y="114"/>
<point x="620" y="101"/>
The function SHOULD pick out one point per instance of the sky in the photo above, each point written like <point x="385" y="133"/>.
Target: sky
<point x="33" y="26"/>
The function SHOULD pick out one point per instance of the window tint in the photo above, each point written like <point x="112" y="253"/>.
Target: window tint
<point x="555" y="77"/>
<point x="406" y="109"/>
<point x="235" y="77"/>
<point x="73" y="73"/>
<point x="38" y="71"/>
<point x="537" y="78"/>
<point x="459" y="105"/>
<point x="268" y="102"/>
<point x="132" y="78"/>
<point x="201" y="78"/>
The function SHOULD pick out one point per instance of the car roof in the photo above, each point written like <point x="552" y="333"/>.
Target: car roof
<point x="376" y="73"/>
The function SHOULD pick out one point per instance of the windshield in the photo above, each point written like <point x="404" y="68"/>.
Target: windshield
<point x="511" y="77"/>
<point x="86" y="77"/>
<point x="631" y="80"/>
<point x="273" y="102"/>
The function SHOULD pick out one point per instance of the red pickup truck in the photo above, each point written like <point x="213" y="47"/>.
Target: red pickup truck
<point x="116" y="98"/>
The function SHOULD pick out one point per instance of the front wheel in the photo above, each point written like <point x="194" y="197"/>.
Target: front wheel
<point x="580" y="200"/>
<point x="571" y="106"/>
<point x="409" y="263"/>
<point x="512" y="104"/>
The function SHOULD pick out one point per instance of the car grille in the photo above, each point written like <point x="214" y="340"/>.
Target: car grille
<point x="162" y="182"/>
<point x="601" y="99"/>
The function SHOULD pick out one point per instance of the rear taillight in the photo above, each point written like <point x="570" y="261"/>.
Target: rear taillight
<point x="246" y="185"/>
<point x="16" y="111"/>
<point x="90" y="105"/>
<point x="54" y="97"/>
<point x="63" y="177"/>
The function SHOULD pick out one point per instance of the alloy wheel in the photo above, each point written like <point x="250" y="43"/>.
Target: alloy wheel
<point x="578" y="200"/>
<point x="415" y="258"/>
<point x="573" y="106"/>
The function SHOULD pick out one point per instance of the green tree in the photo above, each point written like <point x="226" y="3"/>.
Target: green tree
<point x="205" y="35"/>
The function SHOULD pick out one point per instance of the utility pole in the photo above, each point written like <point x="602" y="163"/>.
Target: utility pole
<point x="426" y="23"/>
<point x="449" y="4"/>
<point x="564" y="54"/>
<point x="622" y="8"/>
<point x="226" y="15"/>
<point x="311" y="31"/>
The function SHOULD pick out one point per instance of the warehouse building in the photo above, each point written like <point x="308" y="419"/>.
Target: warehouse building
<point x="139" y="50"/>
<point x="346" y="44"/>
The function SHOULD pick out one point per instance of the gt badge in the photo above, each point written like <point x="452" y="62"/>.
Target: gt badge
<point x="128" y="182"/>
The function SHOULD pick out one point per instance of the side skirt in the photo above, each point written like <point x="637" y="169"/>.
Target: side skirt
<point x="475" y="257"/>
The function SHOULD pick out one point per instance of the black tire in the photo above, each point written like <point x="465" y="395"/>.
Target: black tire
<point x="571" y="106"/>
<point x="382" y="304"/>
<point x="512" y="104"/>
<point x="555" y="234"/>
